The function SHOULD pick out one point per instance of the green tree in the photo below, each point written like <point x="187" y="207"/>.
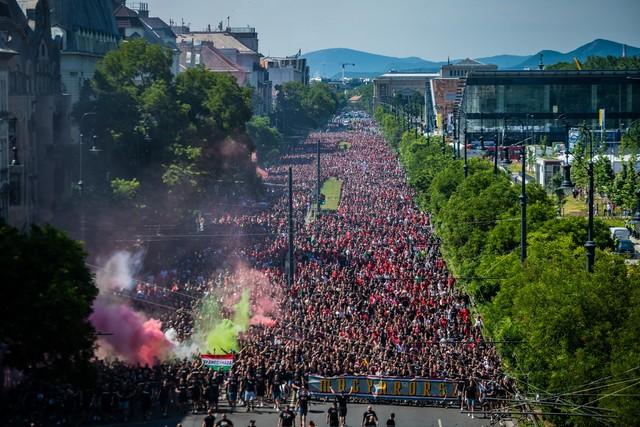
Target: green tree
<point x="125" y="189"/>
<point x="266" y="138"/>
<point x="47" y="297"/>
<point x="183" y="134"/>
<point x="300" y="106"/>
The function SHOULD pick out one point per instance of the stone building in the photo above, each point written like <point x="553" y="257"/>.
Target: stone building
<point x="240" y="47"/>
<point x="135" y="23"/>
<point x="288" y="69"/>
<point x="33" y="114"/>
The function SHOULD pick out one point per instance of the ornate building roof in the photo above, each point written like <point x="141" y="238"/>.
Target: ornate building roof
<point x="89" y="15"/>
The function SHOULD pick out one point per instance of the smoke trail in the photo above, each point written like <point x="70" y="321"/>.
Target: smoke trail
<point x="128" y="334"/>
<point x="131" y="336"/>
<point x="117" y="273"/>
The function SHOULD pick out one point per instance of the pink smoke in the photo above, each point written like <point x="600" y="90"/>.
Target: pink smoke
<point x="134" y="338"/>
<point x="262" y="173"/>
<point x="259" y="319"/>
<point x="264" y="296"/>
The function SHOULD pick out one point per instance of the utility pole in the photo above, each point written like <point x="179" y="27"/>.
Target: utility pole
<point x="523" y="207"/>
<point x="495" y="152"/>
<point x="466" y="165"/>
<point x="290" y="254"/>
<point x="318" y="178"/>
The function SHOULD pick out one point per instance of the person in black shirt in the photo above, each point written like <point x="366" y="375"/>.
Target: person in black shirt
<point x="249" y="386"/>
<point x="163" y="397"/>
<point x="209" y="420"/>
<point x="303" y="404"/>
<point x="224" y="422"/>
<point x="145" y="402"/>
<point x="370" y="421"/>
<point x="472" y="392"/>
<point x="391" y="422"/>
<point x="368" y="416"/>
<point x="212" y="394"/>
<point x="342" y="399"/>
<point x="232" y="391"/>
<point x="286" y="418"/>
<point x="333" y="420"/>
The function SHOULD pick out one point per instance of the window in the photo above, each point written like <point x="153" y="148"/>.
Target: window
<point x="197" y="59"/>
<point x="188" y="58"/>
<point x="14" y="190"/>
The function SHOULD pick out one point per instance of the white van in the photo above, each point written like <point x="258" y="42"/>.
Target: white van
<point x="619" y="233"/>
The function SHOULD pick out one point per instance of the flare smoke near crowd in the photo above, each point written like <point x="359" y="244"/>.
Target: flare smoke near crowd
<point x="372" y="294"/>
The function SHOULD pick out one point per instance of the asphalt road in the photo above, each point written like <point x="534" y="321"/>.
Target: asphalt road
<point x="406" y="416"/>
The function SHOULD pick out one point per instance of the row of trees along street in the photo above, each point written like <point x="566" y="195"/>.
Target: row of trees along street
<point x="567" y="336"/>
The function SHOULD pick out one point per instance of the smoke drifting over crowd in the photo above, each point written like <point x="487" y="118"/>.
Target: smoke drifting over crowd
<point x="219" y="318"/>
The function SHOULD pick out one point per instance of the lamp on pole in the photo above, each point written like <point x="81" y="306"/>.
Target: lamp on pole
<point x="81" y="184"/>
<point x="499" y="140"/>
<point x="290" y="254"/>
<point x="523" y="207"/>
<point x="466" y="164"/>
<point x="635" y="219"/>
<point x="318" y="177"/>
<point x="589" y="245"/>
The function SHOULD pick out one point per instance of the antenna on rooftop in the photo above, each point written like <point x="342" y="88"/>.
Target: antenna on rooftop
<point x="541" y="64"/>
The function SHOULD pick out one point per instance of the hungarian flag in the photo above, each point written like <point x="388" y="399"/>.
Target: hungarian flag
<point x="218" y="361"/>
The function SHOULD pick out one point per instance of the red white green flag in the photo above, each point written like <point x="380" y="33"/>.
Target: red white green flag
<point x="217" y="361"/>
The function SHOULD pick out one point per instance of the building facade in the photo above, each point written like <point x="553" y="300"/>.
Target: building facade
<point x="548" y="103"/>
<point x="135" y="23"/>
<point x="33" y="119"/>
<point x="240" y="47"/>
<point x="462" y="68"/>
<point x="86" y="31"/>
<point x="287" y="69"/>
<point x="390" y="85"/>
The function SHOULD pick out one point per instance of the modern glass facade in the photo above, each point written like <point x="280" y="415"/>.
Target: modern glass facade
<point x="546" y="103"/>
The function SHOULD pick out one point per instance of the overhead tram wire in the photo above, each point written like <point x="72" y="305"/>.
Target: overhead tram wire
<point x="539" y="391"/>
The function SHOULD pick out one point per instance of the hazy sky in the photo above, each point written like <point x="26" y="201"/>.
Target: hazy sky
<point x="429" y="29"/>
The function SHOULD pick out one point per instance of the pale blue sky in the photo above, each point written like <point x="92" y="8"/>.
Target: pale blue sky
<point x="430" y="29"/>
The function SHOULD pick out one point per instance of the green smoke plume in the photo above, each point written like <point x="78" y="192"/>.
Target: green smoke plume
<point x="221" y="335"/>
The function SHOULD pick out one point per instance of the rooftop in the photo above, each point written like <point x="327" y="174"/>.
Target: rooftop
<point x="219" y="40"/>
<point x="409" y="75"/>
<point x="94" y="15"/>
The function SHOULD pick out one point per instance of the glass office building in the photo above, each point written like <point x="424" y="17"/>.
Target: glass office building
<point x="547" y="103"/>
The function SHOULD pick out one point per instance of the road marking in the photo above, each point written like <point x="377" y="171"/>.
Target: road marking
<point x="439" y="422"/>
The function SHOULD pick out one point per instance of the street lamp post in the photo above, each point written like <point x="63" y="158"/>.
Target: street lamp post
<point x="496" y="147"/>
<point x="318" y="177"/>
<point x="466" y="164"/>
<point x="81" y="184"/>
<point x="635" y="219"/>
<point x="589" y="245"/>
<point x="523" y="208"/>
<point x="290" y="254"/>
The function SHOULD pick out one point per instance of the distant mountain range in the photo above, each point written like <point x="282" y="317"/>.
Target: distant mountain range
<point x="328" y="62"/>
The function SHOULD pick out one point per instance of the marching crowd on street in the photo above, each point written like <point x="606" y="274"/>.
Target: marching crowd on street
<point x="371" y="295"/>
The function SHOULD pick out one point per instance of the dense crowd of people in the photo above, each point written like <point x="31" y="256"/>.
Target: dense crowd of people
<point x="371" y="295"/>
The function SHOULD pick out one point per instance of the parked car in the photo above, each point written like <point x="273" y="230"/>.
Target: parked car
<point x="625" y="246"/>
<point x="619" y="233"/>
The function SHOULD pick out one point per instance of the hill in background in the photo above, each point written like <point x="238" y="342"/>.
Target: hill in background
<point x="328" y="62"/>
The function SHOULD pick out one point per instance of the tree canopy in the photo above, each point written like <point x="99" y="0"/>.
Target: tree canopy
<point x="180" y="134"/>
<point x="557" y="327"/>
<point x="47" y="297"/>
<point x="304" y="106"/>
